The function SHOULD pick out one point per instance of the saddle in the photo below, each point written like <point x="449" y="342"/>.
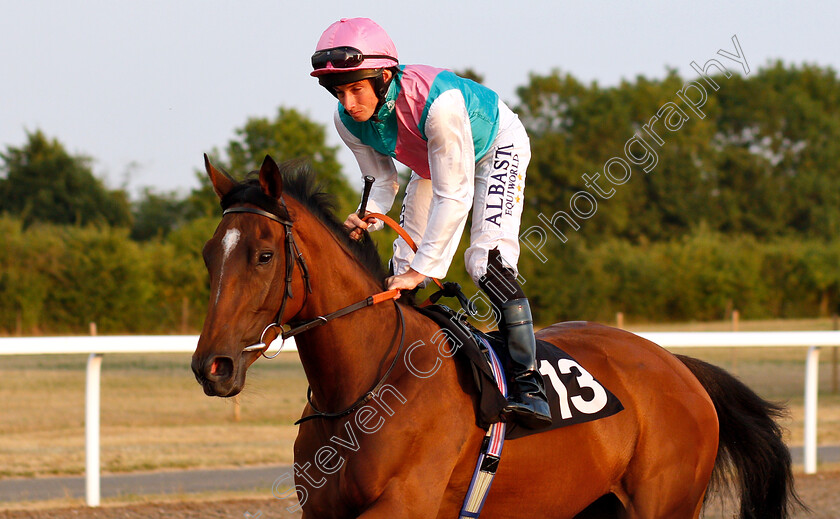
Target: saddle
<point x="574" y="395"/>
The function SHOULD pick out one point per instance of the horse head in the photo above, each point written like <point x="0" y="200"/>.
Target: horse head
<point x="247" y="258"/>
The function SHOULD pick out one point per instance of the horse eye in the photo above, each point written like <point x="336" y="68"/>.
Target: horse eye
<point x="265" y="257"/>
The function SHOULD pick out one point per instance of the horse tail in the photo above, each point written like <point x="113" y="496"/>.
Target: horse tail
<point x="751" y="453"/>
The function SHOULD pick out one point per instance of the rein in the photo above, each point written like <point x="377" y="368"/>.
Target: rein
<point x="387" y="220"/>
<point x="367" y="397"/>
<point x="447" y="289"/>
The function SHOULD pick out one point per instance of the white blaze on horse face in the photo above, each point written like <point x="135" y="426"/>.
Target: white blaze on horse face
<point x="229" y="241"/>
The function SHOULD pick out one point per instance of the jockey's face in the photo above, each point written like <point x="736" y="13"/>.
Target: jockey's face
<point x="359" y="99"/>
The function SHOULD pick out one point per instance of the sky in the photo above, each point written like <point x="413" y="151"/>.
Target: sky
<point x="146" y="87"/>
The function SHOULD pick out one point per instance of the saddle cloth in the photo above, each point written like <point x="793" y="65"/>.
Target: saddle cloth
<point x="574" y="395"/>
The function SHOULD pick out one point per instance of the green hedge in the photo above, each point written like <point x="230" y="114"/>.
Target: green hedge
<point x="702" y="276"/>
<point x="57" y="279"/>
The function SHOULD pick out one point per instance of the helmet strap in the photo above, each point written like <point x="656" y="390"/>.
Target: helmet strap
<point x="380" y="87"/>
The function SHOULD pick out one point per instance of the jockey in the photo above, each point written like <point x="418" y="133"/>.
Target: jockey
<point x="467" y="151"/>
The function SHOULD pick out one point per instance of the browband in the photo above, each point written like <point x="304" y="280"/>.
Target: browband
<point x="260" y="212"/>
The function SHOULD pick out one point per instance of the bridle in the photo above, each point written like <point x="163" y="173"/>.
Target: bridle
<point x="294" y="256"/>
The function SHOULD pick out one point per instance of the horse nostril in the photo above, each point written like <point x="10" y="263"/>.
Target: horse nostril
<point x="221" y="368"/>
<point x="196" y="369"/>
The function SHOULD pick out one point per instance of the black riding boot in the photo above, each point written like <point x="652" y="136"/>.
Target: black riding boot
<point x="527" y="404"/>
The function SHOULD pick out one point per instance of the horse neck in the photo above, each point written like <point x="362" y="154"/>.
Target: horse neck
<point x="346" y="357"/>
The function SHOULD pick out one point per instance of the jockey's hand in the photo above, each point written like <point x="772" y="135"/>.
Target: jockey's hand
<point x="355" y="225"/>
<point x="406" y="281"/>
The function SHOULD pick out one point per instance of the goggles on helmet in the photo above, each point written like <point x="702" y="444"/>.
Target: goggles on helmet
<point x="343" y="57"/>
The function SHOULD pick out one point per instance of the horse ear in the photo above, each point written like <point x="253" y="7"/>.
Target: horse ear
<point x="222" y="183"/>
<point x="270" y="179"/>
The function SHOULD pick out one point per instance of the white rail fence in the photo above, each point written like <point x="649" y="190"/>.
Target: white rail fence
<point x="96" y="347"/>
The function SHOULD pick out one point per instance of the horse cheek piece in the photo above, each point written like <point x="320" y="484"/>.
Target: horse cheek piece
<point x="407" y="448"/>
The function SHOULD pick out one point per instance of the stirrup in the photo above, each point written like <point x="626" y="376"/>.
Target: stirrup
<point x="526" y="416"/>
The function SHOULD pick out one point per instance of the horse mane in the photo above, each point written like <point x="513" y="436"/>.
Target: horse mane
<point x="301" y="183"/>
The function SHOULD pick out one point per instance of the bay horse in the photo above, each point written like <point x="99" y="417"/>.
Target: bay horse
<point x="407" y="448"/>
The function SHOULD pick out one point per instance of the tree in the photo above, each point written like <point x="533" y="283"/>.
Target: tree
<point x="25" y="273"/>
<point x="291" y="135"/>
<point x="780" y="130"/>
<point x="157" y="214"/>
<point x="101" y="277"/>
<point x="469" y="73"/>
<point x="41" y="182"/>
<point x="202" y="202"/>
<point x="762" y="160"/>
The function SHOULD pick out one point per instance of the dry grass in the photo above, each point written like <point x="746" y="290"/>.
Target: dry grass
<point x="154" y="415"/>
<point x="772" y="325"/>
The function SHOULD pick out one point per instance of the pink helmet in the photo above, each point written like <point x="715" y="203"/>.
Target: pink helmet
<point x="352" y="49"/>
